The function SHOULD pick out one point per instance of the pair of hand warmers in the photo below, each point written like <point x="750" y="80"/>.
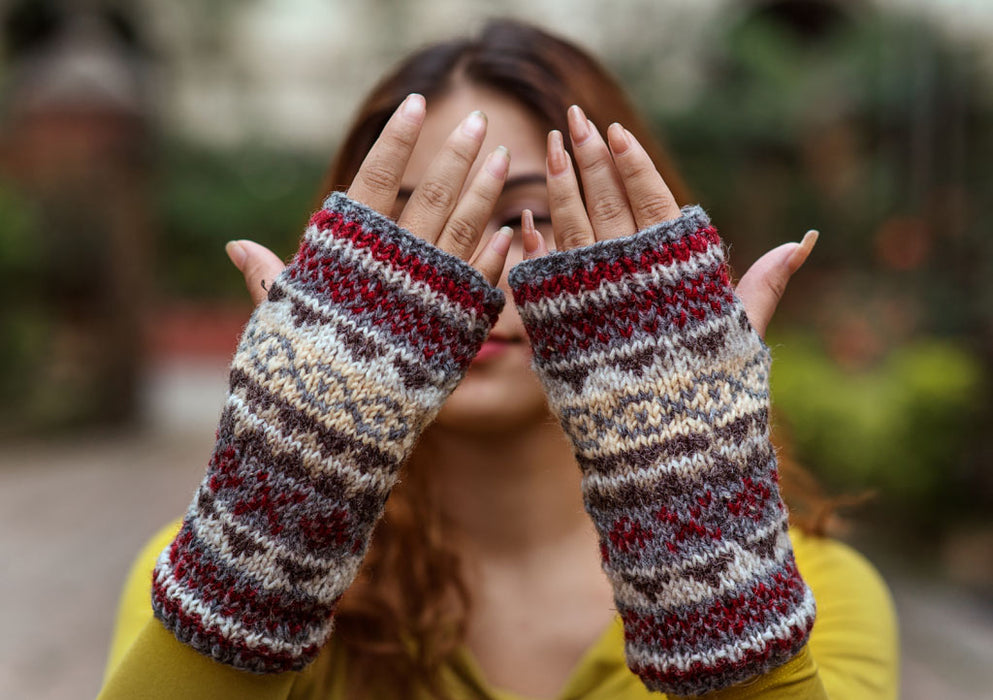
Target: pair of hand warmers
<point x="648" y="361"/>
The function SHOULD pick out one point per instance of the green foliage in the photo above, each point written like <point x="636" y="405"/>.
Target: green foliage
<point x="19" y="254"/>
<point x="206" y="197"/>
<point x="23" y="327"/>
<point x="901" y="426"/>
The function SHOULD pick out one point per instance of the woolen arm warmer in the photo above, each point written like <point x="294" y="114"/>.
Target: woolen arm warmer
<point x="661" y="383"/>
<point x="362" y="338"/>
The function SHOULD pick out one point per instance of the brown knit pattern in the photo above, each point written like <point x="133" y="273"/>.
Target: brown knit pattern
<point x="660" y="381"/>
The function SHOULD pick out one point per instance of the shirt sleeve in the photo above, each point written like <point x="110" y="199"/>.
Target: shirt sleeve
<point x="853" y="650"/>
<point x="855" y="638"/>
<point x="146" y="661"/>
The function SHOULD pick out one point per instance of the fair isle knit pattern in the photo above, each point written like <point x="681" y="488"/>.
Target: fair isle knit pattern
<point x="661" y="383"/>
<point x="361" y="339"/>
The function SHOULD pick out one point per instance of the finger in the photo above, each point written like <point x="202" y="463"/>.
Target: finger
<point x="462" y="231"/>
<point x="435" y="196"/>
<point x="606" y="200"/>
<point x="570" y="224"/>
<point x="534" y="242"/>
<point x="492" y="258"/>
<point x="761" y="288"/>
<point x="650" y="198"/>
<point x="378" y="180"/>
<point x="258" y="264"/>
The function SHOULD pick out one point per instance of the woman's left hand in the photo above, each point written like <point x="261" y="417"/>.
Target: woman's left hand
<point x="625" y="194"/>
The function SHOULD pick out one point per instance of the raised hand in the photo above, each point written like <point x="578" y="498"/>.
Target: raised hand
<point x="355" y="347"/>
<point x="654" y="368"/>
<point x="438" y="211"/>
<point x="624" y="194"/>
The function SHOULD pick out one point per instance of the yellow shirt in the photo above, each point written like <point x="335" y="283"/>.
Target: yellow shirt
<point x="852" y="653"/>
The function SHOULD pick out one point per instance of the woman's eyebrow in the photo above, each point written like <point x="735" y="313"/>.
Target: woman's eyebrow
<point x="521" y="180"/>
<point x="525" y="179"/>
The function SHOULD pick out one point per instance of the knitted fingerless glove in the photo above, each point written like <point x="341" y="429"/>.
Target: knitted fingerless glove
<point x="362" y="338"/>
<point x="660" y="381"/>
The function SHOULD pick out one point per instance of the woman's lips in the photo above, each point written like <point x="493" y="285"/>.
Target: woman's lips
<point x="492" y="348"/>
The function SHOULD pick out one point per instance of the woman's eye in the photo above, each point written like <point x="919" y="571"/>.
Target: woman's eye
<point x="541" y="222"/>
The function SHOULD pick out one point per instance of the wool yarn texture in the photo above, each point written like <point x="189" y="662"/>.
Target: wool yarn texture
<point x="360" y="341"/>
<point x="658" y="378"/>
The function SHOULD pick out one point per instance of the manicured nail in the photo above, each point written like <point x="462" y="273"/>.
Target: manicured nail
<point x="501" y="240"/>
<point x="235" y="253"/>
<point x="557" y="159"/>
<point x="799" y="255"/>
<point x="498" y="162"/>
<point x="413" y="106"/>
<point x="528" y="233"/>
<point x="474" y="125"/>
<point x="617" y="138"/>
<point x="579" y="125"/>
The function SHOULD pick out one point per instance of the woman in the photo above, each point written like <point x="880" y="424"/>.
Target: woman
<point x="485" y="578"/>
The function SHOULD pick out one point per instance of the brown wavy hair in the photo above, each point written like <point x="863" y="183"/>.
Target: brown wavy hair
<point x="405" y="615"/>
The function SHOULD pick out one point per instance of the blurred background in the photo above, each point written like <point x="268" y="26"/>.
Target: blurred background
<point x="138" y="137"/>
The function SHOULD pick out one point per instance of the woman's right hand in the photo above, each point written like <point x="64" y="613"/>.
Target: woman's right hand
<point x="438" y="211"/>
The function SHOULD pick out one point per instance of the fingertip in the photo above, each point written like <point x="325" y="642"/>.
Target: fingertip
<point x="617" y="138"/>
<point x="558" y="159"/>
<point x="491" y="260"/>
<point x="802" y="251"/>
<point x="501" y="240"/>
<point x="498" y="162"/>
<point x="414" y="106"/>
<point x="236" y="253"/>
<point x="529" y="235"/>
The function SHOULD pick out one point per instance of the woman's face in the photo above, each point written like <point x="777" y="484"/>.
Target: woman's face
<point x="499" y="392"/>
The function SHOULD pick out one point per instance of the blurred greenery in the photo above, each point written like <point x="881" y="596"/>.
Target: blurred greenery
<point x="24" y="326"/>
<point x="206" y="197"/>
<point x="896" y="427"/>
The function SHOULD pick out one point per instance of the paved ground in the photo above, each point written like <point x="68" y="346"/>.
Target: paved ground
<point x="72" y="514"/>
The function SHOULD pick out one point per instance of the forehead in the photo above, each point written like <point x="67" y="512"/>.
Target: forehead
<point x="508" y="124"/>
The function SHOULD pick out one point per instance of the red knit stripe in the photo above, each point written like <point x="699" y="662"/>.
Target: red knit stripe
<point x="695" y="298"/>
<point x="700" y="673"/>
<point x="223" y="648"/>
<point x="354" y="289"/>
<point x="577" y="281"/>
<point x="711" y="625"/>
<point x="343" y="229"/>
<point x="253" y="607"/>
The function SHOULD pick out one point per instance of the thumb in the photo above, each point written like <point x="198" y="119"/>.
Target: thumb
<point x="763" y="285"/>
<point x="258" y="264"/>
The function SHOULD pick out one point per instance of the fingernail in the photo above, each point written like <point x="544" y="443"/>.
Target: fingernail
<point x="528" y="234"/>
<point x="235" y="253"/>
<point x="413" y="106"/>
<point x="801" y="253"/>
<point x="579" y="125"/>
<point x="498" y="162"/>
<point x="475" y="125"/>
<point x="617" y="138"/>
<point x="557" y="162"/>
<point x="501" y="241"/>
